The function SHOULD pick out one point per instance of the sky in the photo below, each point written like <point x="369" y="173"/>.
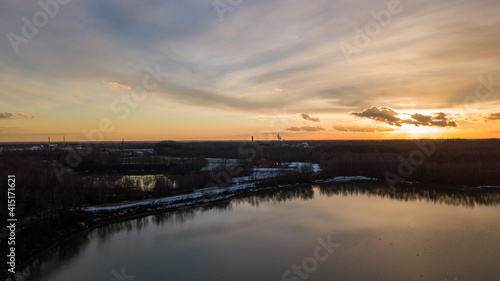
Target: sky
<point x="230" y="69"/>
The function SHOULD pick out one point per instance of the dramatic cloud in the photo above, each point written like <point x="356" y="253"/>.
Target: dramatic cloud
<point x="309" y="118"/>
<point x="358" y="128"/>
<point x="306" y="129"/>
<point x="492" y="117"/>
<point x="281" y="50"/>
<point x="381" y="114"/>
<point x="264" y="55"/>
<point x="392" y="117"/>
<point x="424" y="119"/>
<point x="117" y="86"/>
<point x="20" y="115"/>
<point x="439" y="119"/>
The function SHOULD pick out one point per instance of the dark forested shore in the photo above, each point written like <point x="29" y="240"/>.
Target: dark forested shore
<point x="53" y="183"/>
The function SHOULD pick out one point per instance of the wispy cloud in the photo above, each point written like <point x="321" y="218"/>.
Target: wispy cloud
<point x="265" y="55"/>
<point x="306" y="129"/>
<point x="116" y="86"/>
<point x="279" y="90"/>
<point x="28" y="116"/>
<point x="361" y="128"/>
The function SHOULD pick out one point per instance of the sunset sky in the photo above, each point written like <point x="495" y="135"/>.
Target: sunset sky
<point x="227" y="70"/>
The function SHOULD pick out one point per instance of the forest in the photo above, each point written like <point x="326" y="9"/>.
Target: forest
<point x="45" y="194"/>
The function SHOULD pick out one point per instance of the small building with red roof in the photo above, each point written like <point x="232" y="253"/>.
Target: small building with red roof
<point x="264" y="163"/>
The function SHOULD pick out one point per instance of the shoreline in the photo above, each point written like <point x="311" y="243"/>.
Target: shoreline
<point x="117" y="212"/>
<point x="169" y="205"/>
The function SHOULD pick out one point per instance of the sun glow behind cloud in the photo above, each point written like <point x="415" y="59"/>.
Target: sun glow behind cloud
<point x="413" y="132"/>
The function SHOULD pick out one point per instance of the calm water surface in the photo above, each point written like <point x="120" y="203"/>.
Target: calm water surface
<point x="414" y="234"/>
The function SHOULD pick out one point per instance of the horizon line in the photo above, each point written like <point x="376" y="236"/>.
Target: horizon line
<point x="241" y="140"/>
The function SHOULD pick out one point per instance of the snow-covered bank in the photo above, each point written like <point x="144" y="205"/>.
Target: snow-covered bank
<point x="203" y="196"/>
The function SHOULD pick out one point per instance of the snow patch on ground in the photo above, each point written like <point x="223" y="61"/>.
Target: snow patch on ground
<point x="350" y="178"/>
<point x="213" y="163"/>
<point x="268" y="173"/>
<point x="315" y="167"/>
<point x="262" y="173"/>
<point x="487" y="186"/>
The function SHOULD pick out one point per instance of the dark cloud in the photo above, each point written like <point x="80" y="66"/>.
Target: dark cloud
<point x="306" y="129"/>
<point x="389" y="116"/>
<point x="6" y="115"/>
<point x="20" y="115"/>
<point x="421" y="118"/>
<point x="492" y="117"/>
<point x="306" y="116"/>
<point x="381" y="114"/>
<point x="439" y="119"/>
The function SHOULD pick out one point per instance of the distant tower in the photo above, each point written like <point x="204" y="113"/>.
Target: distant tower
<point x="252" y="138"/>
<point x="123" y="142"/>
<point x="64" y="139"/>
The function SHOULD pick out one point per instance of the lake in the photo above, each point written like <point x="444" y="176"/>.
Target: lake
<point x="337" y="231"/>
